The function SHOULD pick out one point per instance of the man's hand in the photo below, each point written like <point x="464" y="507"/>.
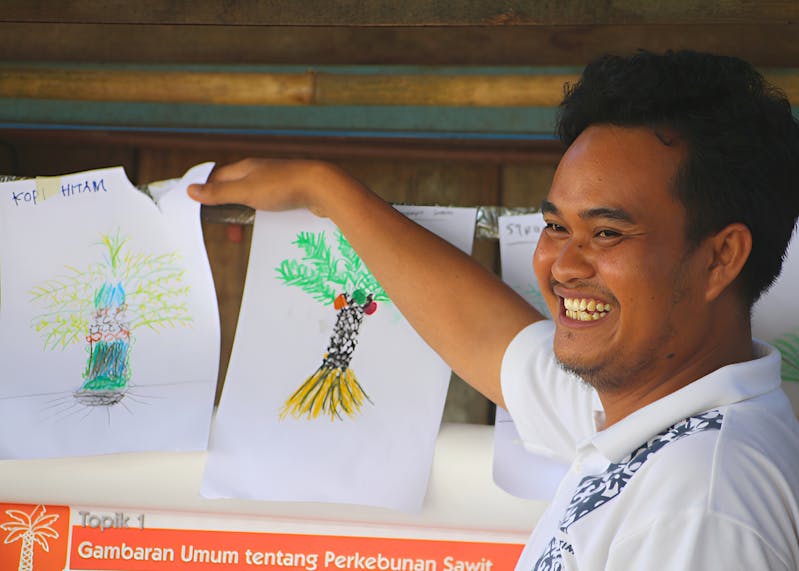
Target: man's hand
<point x="272" y="184"/>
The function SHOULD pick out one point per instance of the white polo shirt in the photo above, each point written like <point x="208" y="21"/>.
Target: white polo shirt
<point x="705" y="478"/>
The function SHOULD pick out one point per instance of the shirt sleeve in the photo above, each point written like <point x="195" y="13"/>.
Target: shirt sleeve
<point x="552" y="410"/>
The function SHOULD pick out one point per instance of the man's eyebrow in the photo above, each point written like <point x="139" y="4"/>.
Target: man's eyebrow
<point x="602" y="212"/>
<point x="613" y="213"/>
<point x="548" y="208"/>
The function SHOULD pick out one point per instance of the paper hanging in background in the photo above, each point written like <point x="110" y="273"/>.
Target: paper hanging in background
<point x="775" y="321"/>
<point x="330" y="395"/>
<point x="518" y="236"/>
<point x="109" y="330"/>
<point x="516" y="470"/>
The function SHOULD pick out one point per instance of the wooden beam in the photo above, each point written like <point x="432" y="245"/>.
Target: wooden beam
<point x="291" y="89"/>
<point x="320" y="45"/>
<point x="317" y="88"/>
<point x="788" y="82"/>
<point x="441" y="90"/>
<point x="157" y="86"/>
<point x="330" y="148"/>
<point x="407" y="13"/>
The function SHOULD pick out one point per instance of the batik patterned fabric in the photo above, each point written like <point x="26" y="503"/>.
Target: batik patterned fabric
<point x="595" y="491"/>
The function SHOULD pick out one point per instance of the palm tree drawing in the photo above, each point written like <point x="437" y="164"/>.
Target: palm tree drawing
<point x="103" y="305"/>
<point x="33" y="529"/>
<point x="346" y="283"/>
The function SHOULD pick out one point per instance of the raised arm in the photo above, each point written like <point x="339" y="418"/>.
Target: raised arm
<point x="464" y="312"/>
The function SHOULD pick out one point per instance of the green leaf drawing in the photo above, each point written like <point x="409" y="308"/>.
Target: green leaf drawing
<point x="322" y="274"/>
<point x="788" y="345"/>
<point x="155" y="293"/>
<point x="308" y="278"/>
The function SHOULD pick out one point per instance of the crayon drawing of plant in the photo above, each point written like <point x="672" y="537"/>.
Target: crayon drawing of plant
<point x="31" y="530"/>
<point x="103" y="305"/>
<point x="788" y="345"/>
<point x="346" y="283"/>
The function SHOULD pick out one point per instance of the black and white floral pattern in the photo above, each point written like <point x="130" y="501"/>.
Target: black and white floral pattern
<point x="594" y="491"/>
<point x="552" y="559"/>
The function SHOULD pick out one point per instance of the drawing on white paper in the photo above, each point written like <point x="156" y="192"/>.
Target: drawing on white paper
<point x="103" y="305"/>
<point x="33" y="529"/>
<point x="344" y="282"/>
<point x="788" y="345"/>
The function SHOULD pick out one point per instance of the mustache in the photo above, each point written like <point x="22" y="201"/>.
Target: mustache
<point x="596" y="290"/>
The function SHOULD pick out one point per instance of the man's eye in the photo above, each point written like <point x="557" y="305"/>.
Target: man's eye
<point x="608" y="234"/>
<point x="552" y="227"/>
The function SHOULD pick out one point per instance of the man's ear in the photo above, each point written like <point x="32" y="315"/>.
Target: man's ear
<point x="730" y="248"/>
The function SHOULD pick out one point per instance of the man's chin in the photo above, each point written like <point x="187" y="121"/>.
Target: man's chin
<point x="593" y="376"/>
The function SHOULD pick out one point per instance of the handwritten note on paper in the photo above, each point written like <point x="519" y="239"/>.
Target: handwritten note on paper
<point x="330" y="395"/>
<point x="518" y="236"/>
<point x="517" y="471"/>
<point x="108" y="325"/>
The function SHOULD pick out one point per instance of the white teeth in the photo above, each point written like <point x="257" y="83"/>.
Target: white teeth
<point x="584" y="309"/>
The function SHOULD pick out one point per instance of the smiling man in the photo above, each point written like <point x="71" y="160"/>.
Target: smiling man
<point x="616" y="237"/>
<point x="668" y="216"/>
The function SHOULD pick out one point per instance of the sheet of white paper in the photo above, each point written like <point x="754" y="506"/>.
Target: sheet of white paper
<point x="518" y="236"/>
<point x="109" y="330"/>
<point x="516" y="470"/>
<point x="519" y="472"/>
<point x="381" y="455"/>
<point x="774" y="321"/>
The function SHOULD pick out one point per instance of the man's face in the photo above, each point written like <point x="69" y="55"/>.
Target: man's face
<point x="613" y="264"/>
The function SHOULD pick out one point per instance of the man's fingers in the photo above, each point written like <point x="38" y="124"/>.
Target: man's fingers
<point x="225" y="192"/>
<point x="230" y="184"/>
<point x="234" y="171"/>
<point x="263" y="184"/>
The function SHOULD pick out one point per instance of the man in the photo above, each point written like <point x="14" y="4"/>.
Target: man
<point x="668" y="216"/>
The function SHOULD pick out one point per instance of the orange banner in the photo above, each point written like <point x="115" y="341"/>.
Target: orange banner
<point x="130" y="549"/>
<point x="39" y="538"/>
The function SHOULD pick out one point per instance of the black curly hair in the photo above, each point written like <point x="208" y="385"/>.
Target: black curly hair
<point x="742" y="162"/>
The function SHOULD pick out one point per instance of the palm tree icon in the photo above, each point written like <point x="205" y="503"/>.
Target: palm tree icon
<point x="32" y="528"/>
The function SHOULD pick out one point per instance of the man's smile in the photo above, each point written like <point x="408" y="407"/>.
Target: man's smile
<point x="585" y="309"/>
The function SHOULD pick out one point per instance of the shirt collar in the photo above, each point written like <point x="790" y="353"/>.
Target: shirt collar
<point x="724" y="386"/>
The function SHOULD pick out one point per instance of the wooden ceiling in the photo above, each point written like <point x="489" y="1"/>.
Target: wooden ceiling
<point x="381" y="32"/>
<point x="466" y="53"/>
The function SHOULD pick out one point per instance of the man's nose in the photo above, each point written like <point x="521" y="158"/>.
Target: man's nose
<point x="572" y="262"/>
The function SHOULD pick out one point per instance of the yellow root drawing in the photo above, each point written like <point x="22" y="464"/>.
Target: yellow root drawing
<point x="330" y="392"/>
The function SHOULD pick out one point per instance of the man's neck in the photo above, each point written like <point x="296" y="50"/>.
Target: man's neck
<point x="660" y="381"/>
